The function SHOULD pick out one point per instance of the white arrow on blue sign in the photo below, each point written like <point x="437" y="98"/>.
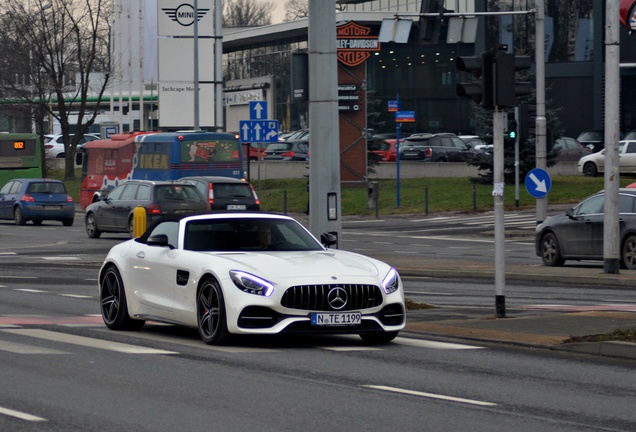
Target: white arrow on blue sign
<point x="538" y="182"/>
<point x="256" y="131"/>
<point x="258" y="110"/>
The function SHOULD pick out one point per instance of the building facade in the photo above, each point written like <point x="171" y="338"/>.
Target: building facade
<point x="423" y="76"/>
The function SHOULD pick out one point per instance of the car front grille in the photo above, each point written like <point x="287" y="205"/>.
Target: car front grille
<point x="316" y="297"/>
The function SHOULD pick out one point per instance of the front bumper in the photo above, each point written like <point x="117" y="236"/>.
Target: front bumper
<point x="265" y="320"/>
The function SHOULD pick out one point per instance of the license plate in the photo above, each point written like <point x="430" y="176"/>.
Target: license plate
<point x="181" y="211"/>
<point x="52" y="207"/>
<point x="236" y="207"/>
<point x="336" y="319"/>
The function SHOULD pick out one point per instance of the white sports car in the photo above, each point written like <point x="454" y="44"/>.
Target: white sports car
<point x="230" y="274"/>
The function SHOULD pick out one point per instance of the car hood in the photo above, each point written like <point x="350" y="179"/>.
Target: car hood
<point x="304" y="265"/>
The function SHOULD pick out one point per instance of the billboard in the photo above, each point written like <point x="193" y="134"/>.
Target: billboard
<point x="175" y="28"/>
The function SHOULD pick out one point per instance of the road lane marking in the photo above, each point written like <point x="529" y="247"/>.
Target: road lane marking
<point x="59" y="258"/>
<point x="21" y="415"/>
<point x="76" y="296"/>
<point x="17" y="277"/>
<point x="87" y="342"/>
<point x="429" y="395"/>
<point x="29" y="290"/>
<point x="18" y="348"/>
<point x="350" y="348"/>
<point x="422" y="343"/>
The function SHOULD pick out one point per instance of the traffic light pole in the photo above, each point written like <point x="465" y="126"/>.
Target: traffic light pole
<point x="498" y="195"/>
<point x="540" y="122"/>
<point x="517" y="157"/>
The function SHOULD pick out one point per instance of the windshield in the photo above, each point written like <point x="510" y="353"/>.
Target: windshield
<point x="248" y="234"/>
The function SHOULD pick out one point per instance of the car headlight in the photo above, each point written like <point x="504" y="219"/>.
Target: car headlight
<point x="391" y="281"/>
<point x="251" y="284"/>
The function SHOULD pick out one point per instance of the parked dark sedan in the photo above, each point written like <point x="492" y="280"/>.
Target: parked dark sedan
<point x="578" y="234"/>
<point x="226" y="193"/>
<point x="114" y="211"/>
<point x="36" y="200"/>
<point x="287" y="151"/>
<point x="570" y="150"/>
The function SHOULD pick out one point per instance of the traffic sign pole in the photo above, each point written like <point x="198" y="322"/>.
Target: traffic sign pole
<point x="498" y="195"/>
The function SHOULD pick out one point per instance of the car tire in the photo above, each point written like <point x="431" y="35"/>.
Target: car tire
<point x="112" y="300"/>
<point x="91" y="226"/>
<point x="378" y="337"/>
<point x="590" y="170"/>
<point x="628" y="253"/>
<point x="18" y="217"/>
<point x="550" y="251"/>
<point x="68" y="222"/>
<point x="211" y="316"/>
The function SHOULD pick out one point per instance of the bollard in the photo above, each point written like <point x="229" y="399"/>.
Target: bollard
<point x="426" y="201"/>
<point x="139" y="221"/>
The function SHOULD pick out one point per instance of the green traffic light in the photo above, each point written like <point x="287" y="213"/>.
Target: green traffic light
<point x="512" y="134"/>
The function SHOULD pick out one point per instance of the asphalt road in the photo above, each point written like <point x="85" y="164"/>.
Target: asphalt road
<point x="61" y="368"/>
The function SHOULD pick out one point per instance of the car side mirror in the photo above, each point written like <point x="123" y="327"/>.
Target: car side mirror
<point x="160" y="240"/>
<point x="328" y="239"/>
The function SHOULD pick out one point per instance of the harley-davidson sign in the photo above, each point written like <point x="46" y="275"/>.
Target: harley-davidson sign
<point x="355" y="43"/>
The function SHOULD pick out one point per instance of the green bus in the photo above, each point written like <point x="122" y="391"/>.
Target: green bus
<point x="20" y="156"/>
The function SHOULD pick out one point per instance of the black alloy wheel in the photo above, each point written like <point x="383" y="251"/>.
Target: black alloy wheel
<point x="112" y="299"/>
<point x="211" y="316"/>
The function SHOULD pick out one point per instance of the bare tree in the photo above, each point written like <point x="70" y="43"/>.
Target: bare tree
<point x="297" y="9"/>
<point x="247" y="13"/>
<point x="57" y="46"/>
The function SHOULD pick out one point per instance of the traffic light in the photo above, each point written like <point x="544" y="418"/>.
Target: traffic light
<point x="506" y="88"/>
<point x="480" y="89"/>
<point x="512" y="128"/>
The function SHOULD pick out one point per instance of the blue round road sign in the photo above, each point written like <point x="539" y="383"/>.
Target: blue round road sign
<point x="538" y="182"/>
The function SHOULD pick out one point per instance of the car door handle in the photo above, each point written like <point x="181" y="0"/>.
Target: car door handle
<point x="141" y="255"/>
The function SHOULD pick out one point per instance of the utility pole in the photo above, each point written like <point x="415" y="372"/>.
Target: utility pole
<point x="324" y="164"/>
<point x="611" y="252"/>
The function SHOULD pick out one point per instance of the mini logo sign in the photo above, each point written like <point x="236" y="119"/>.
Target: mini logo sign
<point x="184" y="14"/>
<point x="355" y="43"/>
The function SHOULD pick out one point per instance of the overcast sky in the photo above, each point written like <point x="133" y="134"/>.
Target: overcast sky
<point x="279" y="13"/>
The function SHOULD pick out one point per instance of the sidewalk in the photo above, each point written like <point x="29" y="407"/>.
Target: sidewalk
<point x="545" y="327"/>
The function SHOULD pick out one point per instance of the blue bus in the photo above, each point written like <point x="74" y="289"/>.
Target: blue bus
<point x="157" y="156"/>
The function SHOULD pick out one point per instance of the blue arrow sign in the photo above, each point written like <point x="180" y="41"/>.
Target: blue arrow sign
<point x="538" y="182"/>
<point x="255" y="131"/>
<point x="258" y="110"/>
